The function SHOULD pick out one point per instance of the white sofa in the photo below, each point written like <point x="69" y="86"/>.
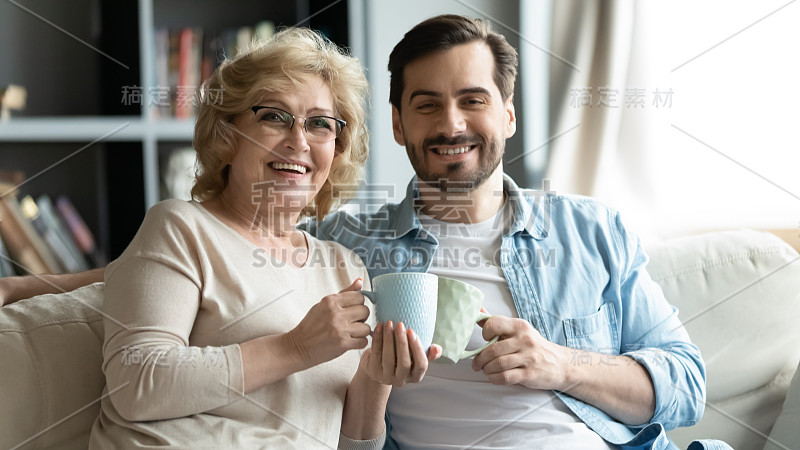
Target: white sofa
<point x="738" y="292"/>
<point x="739" y="297"/>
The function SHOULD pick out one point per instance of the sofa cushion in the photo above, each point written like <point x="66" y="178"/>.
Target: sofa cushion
<point x="786" y="431"/>
<point x="738" y="293"/>
<point x="50" y="347"/>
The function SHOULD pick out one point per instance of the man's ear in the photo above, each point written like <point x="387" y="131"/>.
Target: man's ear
<point x="511" y="117"/>
<point x="397" y="127"/>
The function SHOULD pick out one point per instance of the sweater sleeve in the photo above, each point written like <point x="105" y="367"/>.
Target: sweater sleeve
<point x="345" y="443"/>
<point x="152" y="296"/>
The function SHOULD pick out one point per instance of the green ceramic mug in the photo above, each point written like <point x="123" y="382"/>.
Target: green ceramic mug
<point x="457" y="311"/>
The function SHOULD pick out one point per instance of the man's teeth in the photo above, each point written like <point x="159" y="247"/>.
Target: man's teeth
<point x="287" y="166"/>
<point x="452" y="151"/>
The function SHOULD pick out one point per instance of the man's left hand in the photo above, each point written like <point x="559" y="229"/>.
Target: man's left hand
<point x="521" y="356"/>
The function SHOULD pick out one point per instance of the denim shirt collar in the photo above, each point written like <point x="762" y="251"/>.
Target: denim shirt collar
<point x="529" y="211"/>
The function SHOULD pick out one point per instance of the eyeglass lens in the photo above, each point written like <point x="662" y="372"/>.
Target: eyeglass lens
<point x="318" y="128"/>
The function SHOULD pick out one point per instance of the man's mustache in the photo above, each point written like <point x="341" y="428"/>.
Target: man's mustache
<point x="451" y="141"/>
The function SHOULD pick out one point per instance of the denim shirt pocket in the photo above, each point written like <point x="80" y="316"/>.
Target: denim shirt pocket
<point x="596" y="332"/>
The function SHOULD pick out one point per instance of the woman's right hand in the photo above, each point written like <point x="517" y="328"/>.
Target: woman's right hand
<point x="396" y="356"/>
<point x="332" y="326"/>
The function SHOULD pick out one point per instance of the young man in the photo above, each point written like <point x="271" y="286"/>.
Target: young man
<point x="590" y="353"/>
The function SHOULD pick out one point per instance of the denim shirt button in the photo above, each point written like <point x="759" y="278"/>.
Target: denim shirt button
<point x="415" y="261"/>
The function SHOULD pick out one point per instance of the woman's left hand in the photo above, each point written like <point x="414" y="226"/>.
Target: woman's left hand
<point x="396" y="356"/>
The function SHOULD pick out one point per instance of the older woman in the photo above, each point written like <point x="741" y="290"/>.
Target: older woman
<point x="228" y="328"/>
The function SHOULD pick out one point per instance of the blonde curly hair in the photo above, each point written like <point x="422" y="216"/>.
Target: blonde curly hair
<point x="284" y="62"/>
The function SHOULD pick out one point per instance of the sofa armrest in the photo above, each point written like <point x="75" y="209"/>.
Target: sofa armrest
<point x="786" y="431"/>
<point x="51" y="349"/>
<point x="738" y="293"/>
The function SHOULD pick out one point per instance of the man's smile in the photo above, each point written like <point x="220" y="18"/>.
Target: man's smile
<point x="442" y="150"/>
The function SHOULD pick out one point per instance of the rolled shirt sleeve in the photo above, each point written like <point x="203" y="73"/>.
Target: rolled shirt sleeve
<point x="653" y="335"/>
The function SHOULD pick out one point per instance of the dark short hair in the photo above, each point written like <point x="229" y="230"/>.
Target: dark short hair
<point x="443" y="33"/>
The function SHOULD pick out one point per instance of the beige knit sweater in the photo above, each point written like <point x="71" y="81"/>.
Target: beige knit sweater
<point x="178" y="301"/>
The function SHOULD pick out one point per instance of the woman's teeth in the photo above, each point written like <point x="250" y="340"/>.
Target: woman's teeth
<point x="286" y="166"/>
<point x="452" y="151"/>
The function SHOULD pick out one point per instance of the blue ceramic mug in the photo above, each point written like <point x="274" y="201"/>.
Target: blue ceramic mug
<point x="407" y="297"/>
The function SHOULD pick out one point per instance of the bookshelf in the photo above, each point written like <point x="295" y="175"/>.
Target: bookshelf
<point x="105" y="154"/>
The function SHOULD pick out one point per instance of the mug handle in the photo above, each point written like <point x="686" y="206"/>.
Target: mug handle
<point x="371" y="296"/>
<point x="470" y="353"/>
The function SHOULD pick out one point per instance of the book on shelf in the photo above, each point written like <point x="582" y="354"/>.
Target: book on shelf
<point x="81" y="234"/>
<point x="31" y="212"/>
<point x="22" y="241"/>
<point x="186" y="57"/>
<point x="42" y="214"/>
<point x="6" y="266"/>
<point x="160" y="95"/>
<point x="190" y="47"/>
<point x="42" y="236"/>
<point x="264" y="30"/>
<point x="244" y="36"/>
<point x="209" y="56"/>
<point x="173" y="67"/>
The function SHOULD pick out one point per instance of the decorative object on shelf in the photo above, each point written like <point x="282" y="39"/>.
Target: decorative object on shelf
<point x="10" y="178"/>
<point x="12" y="97"/>
<point x="177" y="175"/>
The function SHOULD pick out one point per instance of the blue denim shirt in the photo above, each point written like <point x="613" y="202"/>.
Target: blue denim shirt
<point x="578" y="276"/>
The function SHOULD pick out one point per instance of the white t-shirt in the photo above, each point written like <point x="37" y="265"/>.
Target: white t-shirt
<point x="456" y="407"/>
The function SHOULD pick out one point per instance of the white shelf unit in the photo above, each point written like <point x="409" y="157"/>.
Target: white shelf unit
<point x="92" y="129"/>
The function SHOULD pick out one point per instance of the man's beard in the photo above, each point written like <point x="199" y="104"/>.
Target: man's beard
<point x="456" y="178"/>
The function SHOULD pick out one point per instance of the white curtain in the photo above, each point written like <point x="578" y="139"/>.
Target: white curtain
<point x="724" y="155"/>
<point x="601" y="90"/>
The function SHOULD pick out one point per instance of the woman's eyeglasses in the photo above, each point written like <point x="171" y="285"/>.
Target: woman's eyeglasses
<point x="317" y="128"/>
